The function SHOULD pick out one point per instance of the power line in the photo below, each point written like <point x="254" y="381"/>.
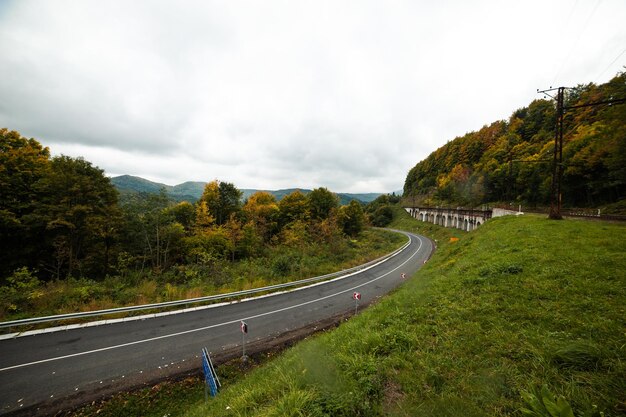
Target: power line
<point x="597" y="103"/>
<point x="571" y="13"/>
<point x="580" y="33"/>
<point x="557" y="164"/>
<point x="609" y="66"/>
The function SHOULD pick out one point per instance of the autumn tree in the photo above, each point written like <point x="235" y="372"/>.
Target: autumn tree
<point x="293" y="207"/>
<point x="222" y="199"/>
<point x="234" y="229"/>
<point x="262" y="209"/>
<point x="351" y="218"/>
<point x="23" y="163"/>
<point x="211" y="198"/>
<point x="322" y="203"/>
<point x="203" y="219"/>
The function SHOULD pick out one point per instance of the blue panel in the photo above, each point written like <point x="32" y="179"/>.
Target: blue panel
<point x="208" y="375"/>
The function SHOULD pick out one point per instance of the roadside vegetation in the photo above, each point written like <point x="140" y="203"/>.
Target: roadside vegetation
<point x="26" y="296"/>
<point x="519" y="317"/>
<point x="71" y="243"/>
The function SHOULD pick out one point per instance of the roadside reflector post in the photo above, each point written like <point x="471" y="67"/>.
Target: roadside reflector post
<point x="356" y="297"/>
<point x="244" y="332"/>
<point x="403" y="275"/>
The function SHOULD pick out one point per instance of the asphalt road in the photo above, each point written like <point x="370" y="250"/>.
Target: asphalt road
<point x="45" y="373"/>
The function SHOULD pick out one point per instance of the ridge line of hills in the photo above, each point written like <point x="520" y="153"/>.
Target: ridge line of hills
<point x="192" y="190"/>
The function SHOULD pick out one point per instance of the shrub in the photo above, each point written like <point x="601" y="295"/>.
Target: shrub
<point x="382" y="216"/>
<point x="21" y="289"/>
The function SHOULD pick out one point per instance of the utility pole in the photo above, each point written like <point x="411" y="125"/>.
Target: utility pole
<point x="557" y="160"/>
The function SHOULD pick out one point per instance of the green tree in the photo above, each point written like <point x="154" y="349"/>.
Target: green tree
<point x="293" y="207"/>
<point x="23" y="162"/>
<point x="351" y="218"/>
<point x="77" y="204"/>
<point x="262" y="209"/>
<point x="230" y="201"/>
<point x="382" y="216"/>
<point x="322" y="203"/>
<point x="251" y="243"/>
<point x="214" y="243"/>
<point x="222" y="200"/>
<point x="185" y="214"/>
<point x="157" y="233"/>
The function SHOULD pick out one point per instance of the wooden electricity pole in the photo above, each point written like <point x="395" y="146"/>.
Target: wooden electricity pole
<point x="557" y="160"/>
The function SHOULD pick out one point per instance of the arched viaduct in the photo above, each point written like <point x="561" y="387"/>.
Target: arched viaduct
<point x="460" y="218"/>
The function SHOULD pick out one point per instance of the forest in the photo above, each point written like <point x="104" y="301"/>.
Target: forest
<point x="510" y="161"/>
<point x="66" y="231"/>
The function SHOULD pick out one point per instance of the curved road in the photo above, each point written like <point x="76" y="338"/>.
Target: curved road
<point x="48" y="372"/>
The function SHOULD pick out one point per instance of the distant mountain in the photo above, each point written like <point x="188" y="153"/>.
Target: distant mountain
<point x="192" y="190"/>
<point x="364" y="197"/>
<point x="344" y="198"/>
<point x="188" y="191"/>
<point x="138" y="184"/>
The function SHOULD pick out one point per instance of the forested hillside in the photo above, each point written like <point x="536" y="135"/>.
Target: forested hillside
<point x="61" y="218"/>
<point x="510" y="161"/>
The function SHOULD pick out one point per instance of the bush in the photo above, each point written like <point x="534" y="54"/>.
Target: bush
<point x="382" y="216"/>
<point x="284" y="264"/>
<point x="22" y="288"/>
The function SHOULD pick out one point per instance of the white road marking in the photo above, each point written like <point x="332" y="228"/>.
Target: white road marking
<point x="152" y="339"/>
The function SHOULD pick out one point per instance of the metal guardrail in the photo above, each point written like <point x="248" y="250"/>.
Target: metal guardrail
<point x="60" y="317"/>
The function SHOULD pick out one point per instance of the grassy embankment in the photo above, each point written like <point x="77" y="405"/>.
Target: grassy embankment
<point x="519" y="303"/>
<point x="279" y="264"/>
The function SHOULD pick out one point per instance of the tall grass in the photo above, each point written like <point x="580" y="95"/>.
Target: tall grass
<point x="511" y="316"/>
<point x="520" y="303"/>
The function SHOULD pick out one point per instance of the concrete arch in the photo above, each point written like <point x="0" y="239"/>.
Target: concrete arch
<point x="459" y="218"/>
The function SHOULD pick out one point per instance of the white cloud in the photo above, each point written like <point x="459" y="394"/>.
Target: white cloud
<point x="347" y="95"/>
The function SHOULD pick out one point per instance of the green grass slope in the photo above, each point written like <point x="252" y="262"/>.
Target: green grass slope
<point x="519" y="303"/>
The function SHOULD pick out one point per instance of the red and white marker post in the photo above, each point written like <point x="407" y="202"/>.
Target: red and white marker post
<point x="403" y="275"/>
<point x="244" y="332"/>
<point x="356" y="297"/>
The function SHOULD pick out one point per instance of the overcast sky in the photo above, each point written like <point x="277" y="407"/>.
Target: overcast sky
<point x="275" y="94"/>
